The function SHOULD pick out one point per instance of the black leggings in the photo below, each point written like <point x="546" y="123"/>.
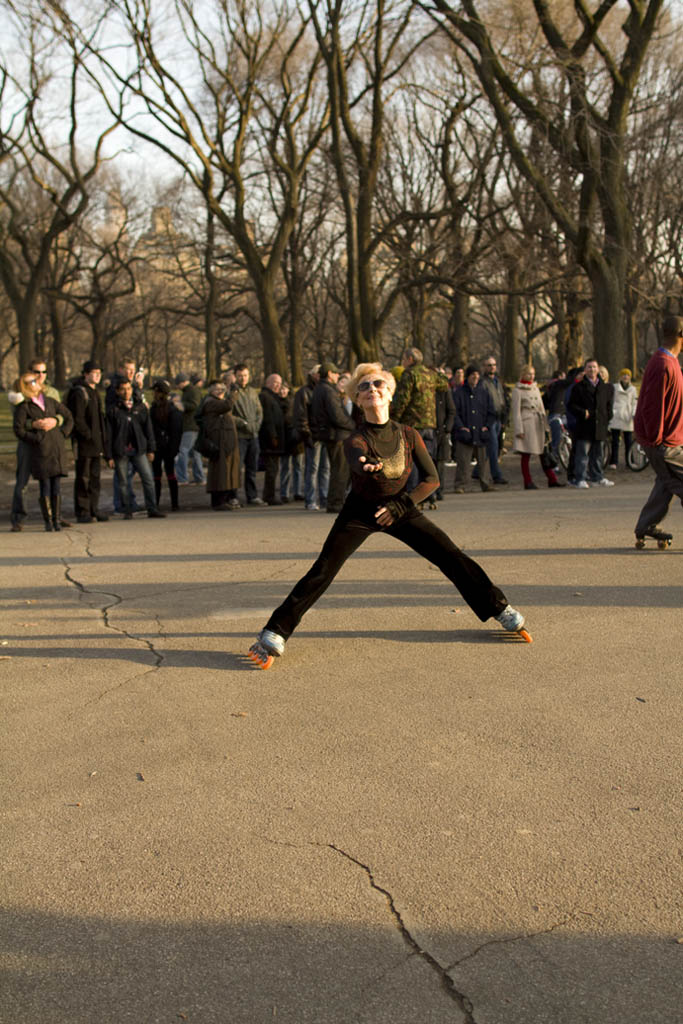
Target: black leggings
<point x="415" y="530"/>
<point x="50" y="487"/>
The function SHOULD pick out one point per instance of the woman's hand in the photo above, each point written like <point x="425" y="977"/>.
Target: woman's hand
<point x="384" y="516"/>
<point x="47" y="423"/>
<point x="370" y="467"/>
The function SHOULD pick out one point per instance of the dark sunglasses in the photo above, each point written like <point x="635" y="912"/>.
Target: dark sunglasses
<point x="365" y="385"/>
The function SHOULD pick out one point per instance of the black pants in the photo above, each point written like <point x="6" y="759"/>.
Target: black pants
<point x="271" y="464"/>
<point x="339" y="476"/>
<point x="87" y="485"/>
<point x="415" y="530"/>
<point x="164" y="461"/>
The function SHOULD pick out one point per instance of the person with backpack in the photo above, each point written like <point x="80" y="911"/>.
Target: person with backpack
<point x="88" y="439"/>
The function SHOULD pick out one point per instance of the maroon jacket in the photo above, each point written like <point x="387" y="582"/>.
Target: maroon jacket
<point x="659" y="413"/>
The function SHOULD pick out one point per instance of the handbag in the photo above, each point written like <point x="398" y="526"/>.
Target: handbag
<point x="549" y="459"/>
<point x="203" y="443"/>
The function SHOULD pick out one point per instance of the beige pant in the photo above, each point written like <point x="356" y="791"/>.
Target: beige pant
<point x="463" y="468"/>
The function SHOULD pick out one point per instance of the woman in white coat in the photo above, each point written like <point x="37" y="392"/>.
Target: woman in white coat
<point x="624" y="409"/>
<point x="529" y="425"/>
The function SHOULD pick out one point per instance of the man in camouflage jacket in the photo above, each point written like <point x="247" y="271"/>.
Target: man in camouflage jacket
<point x="414" y="401"/>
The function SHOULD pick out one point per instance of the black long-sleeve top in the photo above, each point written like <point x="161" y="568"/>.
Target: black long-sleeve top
<point x="397" y="446"/>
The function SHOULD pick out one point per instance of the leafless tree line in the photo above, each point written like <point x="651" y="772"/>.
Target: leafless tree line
<point x="288" y="180"/>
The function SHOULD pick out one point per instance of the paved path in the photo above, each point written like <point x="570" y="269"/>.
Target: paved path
<point x="410" y="819"/>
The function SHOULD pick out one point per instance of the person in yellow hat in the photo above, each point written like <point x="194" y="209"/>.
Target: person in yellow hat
<point x="623" y="411"/>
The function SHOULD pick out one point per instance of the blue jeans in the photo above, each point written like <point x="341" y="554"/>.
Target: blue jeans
<point x="555" y="423"/>
<point x="291" y="469"/>
<point x="588" y="458"/>
<point x="186" y="453"/>
<point x="249" y="456"/>
<point x="316" y="475"/>
<point x="493" y="448"/>
<point x="142" y="464"/>
<point x="119" y="502"/>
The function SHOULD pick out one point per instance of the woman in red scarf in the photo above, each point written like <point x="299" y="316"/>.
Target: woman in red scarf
<point x="529" y="425"/>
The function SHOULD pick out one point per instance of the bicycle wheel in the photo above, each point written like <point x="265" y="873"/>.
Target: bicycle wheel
<point x="637" y="459"/>
<point x="564" y="449"/>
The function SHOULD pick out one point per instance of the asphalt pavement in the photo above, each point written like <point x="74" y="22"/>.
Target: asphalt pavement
<point x="412" y="818"/>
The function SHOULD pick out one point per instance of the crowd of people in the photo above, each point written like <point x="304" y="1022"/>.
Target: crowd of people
<point x="223" y="435"/>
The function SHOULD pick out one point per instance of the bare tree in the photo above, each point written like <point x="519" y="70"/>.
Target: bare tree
<point x="42" y="88"/>
<point x="229" y="93"/>
<point x="600" y="69"/>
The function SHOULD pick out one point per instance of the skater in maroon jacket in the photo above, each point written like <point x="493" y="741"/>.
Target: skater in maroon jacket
<point x="658" y="427"/>
<point x="380" y="455"/>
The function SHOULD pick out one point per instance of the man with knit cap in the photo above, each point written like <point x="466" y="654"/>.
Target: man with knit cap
<point x="659" y="428"/>
<point x="88" y="439"/>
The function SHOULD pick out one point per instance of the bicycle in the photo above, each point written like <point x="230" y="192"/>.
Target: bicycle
<point x="637" y="459"/>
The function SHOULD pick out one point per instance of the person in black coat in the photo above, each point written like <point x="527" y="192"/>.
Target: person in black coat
<point x="88" y="440"/>
<point x="167" y="424"/>
<point x="445" y="418"/>
<point x="130" y="438"/>
<point x="590" y="403"/>
<point x="474" y="416"/>
<point x="48" y="450"/>
<point x="331" y="424"/>
<point x="272" y="436"/>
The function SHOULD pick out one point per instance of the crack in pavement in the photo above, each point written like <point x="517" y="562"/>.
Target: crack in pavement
<point x="104" y="611"/>
<point x="447" y="983"/>
<point x="511" y="938"/>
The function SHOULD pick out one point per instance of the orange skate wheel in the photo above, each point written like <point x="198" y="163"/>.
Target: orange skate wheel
<point x="526" y="636"/>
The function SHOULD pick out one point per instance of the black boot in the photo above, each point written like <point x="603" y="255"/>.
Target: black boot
<point x="46" y="509"/>
<point x="56" y="510"/>
<point x="173" y="488"/>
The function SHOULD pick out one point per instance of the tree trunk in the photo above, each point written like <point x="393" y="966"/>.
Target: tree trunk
<point x="510" y="356"/>
<point x="274" y="351"/>
<point x="608" y="282"/>
<point x="58" y="356"/>
<point x="458" y="340"/>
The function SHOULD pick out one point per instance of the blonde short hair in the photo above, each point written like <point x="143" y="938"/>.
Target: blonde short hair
<point x="24" y="386"/>
<point x="365" y="370"/>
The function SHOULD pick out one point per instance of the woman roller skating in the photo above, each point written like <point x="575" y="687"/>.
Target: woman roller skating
<point x="380" y="456"/>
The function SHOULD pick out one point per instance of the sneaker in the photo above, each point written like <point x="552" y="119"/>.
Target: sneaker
<point x="16" y="528"/>
<point x="256" y="501"/>
<point x="85" y="519"/>
<point x="459" y="490"/>
<point x="581" y="484"/>
<point x="605" y="482"/>
<point x="101" y="517"/>
<point x="234" y="503"/>
<point x="510" y="619"/>
<point x="612" y="465"/>
<point x="154" y="513"/>
<point x="313" y="507"/>
<point x="500" y="481"/>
